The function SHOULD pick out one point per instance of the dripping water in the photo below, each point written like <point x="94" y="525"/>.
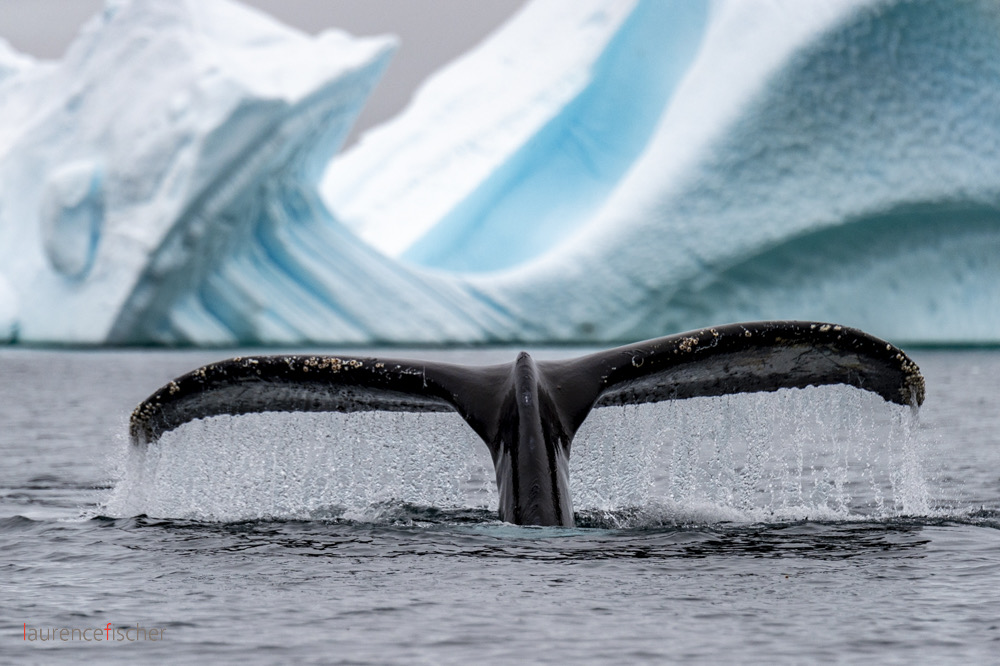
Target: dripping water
<point x="830" y="453"/>
<point x="306" y="466"/>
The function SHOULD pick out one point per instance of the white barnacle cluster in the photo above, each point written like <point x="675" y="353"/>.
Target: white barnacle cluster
<point x="143" y="411"/>
<point x="330" y="363"/>
<point x="252" y="364"/>
<point x="913" y="391"/>
<point x="688" y="344"/>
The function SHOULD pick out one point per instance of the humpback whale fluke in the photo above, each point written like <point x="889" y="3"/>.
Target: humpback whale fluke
<point x="527" y="412"/>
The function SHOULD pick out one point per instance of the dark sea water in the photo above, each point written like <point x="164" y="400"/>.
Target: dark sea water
<point x="805" y="526"/>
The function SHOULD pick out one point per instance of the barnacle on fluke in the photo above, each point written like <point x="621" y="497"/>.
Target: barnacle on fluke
<point x="528" y="412"/>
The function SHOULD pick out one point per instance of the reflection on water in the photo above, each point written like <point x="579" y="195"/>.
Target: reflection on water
<point x="471" y="535"/>
<point x="688" y="548"/>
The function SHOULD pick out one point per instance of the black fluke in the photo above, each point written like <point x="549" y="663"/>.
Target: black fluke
<point x="527" y="412"/>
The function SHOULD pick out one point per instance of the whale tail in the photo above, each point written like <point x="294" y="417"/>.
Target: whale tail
<point x="527" y="412"/>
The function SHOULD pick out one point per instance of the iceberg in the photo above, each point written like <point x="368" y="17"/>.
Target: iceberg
<point x="595" y="171"/>
<point x="120" y="164"/>
<point x="502" y="153"/>
<point x="8" y="312"/>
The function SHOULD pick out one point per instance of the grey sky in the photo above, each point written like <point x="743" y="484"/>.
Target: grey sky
<point x="432" y="32"/>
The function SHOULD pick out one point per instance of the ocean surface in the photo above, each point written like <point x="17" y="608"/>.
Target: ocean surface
<point x="804" y="526"/>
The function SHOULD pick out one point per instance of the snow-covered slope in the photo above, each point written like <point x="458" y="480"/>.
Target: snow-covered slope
<point x="596" y="170"/>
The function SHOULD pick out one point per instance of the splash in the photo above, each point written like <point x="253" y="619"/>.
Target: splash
<point x="830" y="453"/>
<point x="359" y="466"/>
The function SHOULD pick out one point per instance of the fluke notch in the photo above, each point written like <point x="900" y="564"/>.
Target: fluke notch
<point x="528" y="412"/>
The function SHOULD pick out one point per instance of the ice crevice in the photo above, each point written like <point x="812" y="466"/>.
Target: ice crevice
<point x="594" y="171"/>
